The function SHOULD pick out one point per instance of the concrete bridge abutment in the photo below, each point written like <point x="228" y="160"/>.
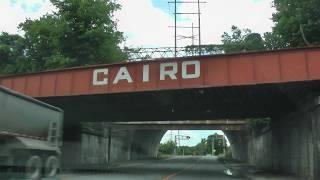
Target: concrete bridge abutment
<point x="238" y="144"/>
<point x="292" y="145"/>
<point x="94" y="146"/>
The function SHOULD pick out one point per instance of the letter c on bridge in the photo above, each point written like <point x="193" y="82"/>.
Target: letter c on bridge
<point x="96" y="81"/>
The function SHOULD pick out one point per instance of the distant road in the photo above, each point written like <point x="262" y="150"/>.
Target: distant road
<point x="177" y="168"/>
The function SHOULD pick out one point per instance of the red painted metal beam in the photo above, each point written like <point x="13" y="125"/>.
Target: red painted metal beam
<point x="214" y="71"/>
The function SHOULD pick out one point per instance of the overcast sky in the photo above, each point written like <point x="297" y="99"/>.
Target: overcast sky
<point x="145" y="24"/>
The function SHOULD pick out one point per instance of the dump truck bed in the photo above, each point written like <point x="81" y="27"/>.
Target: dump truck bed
<point x="26" y="117"/>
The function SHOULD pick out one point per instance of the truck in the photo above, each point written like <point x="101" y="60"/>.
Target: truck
<point x="30" y="137"/>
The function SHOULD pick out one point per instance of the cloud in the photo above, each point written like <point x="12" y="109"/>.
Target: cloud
<point x="146" y="23"/>
<point x="14" y="12"/>
<point x="219" y="16"/>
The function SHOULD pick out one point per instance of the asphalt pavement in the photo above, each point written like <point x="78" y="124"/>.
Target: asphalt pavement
<point x="176" y="168"/>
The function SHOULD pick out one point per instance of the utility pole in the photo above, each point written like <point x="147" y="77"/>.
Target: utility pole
<point x="177" y="139"/>
<point x="176" y="13"/>
<point x="192" y="34"/>
<point x="199" y="25"/>
<point x="175" y="28"/>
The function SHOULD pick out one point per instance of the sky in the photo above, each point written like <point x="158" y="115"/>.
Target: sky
<point x="145" y="23"/>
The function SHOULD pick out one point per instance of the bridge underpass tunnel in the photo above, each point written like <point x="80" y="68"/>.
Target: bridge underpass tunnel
<point x="102" y="144"/>
<point x="286" y="144"/>
<point x="194" y="143"/>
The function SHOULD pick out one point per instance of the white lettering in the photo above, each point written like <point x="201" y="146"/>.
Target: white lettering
<point x="171" y="73"/>
<point x="95" y="79"/>
<point x="196" y="73"/>
<point x="168" y="71"/>
<point x="123" y="74"/>
<point x="146" y="70"/>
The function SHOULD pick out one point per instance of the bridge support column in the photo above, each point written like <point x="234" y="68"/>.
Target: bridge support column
<point x="84" y="146"/>
<point x="238" y="143"/>
<point x="70" y="157"/>
<point x="316" y="141"/>
<point x="298" y="140"/>
<point x="292" y="145"/>
<point x="146" y="143"/>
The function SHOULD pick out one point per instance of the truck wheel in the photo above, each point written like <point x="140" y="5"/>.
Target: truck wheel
<point x="52" y="166"/>
<point x="33" y="167"/>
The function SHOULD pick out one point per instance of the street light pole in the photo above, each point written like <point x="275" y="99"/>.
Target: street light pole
<point x="177" y="139"/>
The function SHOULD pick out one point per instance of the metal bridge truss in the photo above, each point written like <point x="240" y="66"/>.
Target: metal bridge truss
<point x="136" y="54"/>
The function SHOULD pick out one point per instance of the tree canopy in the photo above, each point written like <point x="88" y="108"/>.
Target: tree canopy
<point x="241" y="40"/>
<point x="12" y="57"/>
<point x="204" y="147"/>
<point x="167" y="147"/>
<point x="297" y="23"/>
<point x="79" y="33"/>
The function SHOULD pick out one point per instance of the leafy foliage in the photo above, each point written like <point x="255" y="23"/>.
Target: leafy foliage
<point x="241" y="41"/>
<point x="256" y="126"/>
<point x="79" y="33"/>
<point x="273" y="41"/>
<point x="90" y="34"/>
<point x="297" y="23"/>
<point x="202" y="148"/>
<point x="167" y="147"/>
<point x="11" y="52"/>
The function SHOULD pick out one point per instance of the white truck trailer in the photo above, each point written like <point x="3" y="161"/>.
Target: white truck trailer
<point x="30" y="136"/>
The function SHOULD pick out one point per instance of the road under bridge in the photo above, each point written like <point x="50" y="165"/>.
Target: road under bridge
<point x="282" y="85"/>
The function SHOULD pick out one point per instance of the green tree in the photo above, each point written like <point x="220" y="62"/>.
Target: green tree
<point x="186" y="150"/>
<point x="253" y="41"/>
<point x="258" y="125"/>
<point x="91" y="34"/>
<point x="43" y="42"/>
<point x="241" y="40"/>
<point x="273" y="41"/>
<point x="79" y="33"/>
<point x="201" y="148"/>
<point x="297" y="22"/>
<point x="167" y="147"/>
<point x="11" y="52"/>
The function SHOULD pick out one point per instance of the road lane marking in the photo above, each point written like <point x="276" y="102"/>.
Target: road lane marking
<point x="181" y="171"/>
<point x="126" y="165"/>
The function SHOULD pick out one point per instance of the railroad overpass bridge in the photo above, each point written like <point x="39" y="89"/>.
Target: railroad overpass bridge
<point x="283" y="85"/>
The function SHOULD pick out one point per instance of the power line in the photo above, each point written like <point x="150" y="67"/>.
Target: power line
<point x="176" y="27"/>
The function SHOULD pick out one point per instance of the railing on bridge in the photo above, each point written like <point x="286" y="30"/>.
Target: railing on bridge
<point x="136" y="54"/>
